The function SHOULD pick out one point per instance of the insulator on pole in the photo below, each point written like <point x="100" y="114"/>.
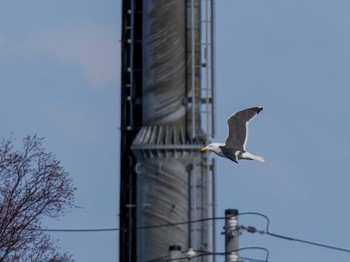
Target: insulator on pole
<point x="175" y="253"/>
<point x="233" y="257"/>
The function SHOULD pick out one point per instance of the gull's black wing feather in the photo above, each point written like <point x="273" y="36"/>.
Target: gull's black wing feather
<point x="238" y="127"/>
<point x="229" y="153"/>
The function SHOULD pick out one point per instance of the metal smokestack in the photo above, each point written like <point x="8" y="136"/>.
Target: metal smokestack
<point x="172" y="176"/>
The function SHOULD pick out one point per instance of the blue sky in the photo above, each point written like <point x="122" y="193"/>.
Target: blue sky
<point x="59" y="77"/>
<point x="293" y="58"/>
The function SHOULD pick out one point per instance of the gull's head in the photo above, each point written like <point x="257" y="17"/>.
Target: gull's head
<point x="207" y="148"/>
<point x="214" y="147"/>
<point x="204" y="148"/>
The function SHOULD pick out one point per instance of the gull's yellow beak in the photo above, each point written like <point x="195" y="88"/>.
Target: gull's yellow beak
<point x="204" y="149"/>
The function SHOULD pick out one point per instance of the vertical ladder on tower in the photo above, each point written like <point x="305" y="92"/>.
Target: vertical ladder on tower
<point x="208" y="97"/>
<point x="208" y="67"/>
<point x="131" y="121"/>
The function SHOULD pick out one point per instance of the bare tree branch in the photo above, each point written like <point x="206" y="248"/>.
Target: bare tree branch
<point x="33" y="186"/>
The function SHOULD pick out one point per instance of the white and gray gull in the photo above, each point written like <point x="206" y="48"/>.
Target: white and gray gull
<point x="235" y="146"/>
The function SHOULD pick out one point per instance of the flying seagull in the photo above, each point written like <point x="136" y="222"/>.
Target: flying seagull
<point x="234" y="147"/>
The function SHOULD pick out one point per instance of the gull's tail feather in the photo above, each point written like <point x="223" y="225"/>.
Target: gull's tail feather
<point x="248" y="155"/>
<point x="259" y="158"/>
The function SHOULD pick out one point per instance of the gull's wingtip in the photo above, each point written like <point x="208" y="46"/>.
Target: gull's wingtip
<point x="260" y="108"/>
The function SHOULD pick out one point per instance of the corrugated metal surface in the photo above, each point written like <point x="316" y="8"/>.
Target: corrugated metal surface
<point x="162" y="199"/>
<point x="172" y="184"/>
<point x="164" y="65"/>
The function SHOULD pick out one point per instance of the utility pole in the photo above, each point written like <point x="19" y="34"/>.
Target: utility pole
<point x="231" y="235"/>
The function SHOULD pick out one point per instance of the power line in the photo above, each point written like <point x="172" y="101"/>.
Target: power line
<point x="249" y="229"/>
<point x="205" y="253"/>
<point x="118" y="229"/>
<point x="309" y="242"/>
<point x="258" y="214"/>
<point x="182" y="223"/>
<point x="76" y="230"/>
<point x="252" y="229"/>
<point x="81" y="230"/>
<point x="248" y="248"/>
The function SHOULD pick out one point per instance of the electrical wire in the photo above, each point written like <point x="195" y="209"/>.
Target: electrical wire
<point x="182" y="223"/>
<point x="79" y="230"/>
<point x="309" y="242"/>
<point x="205" y="253"/>
<point x="258" y="214"/>
<point x="142" y="227"/>
<point x="252" y="229"/>
<point x="248" y="248"/>
<point x="249" y="229"/>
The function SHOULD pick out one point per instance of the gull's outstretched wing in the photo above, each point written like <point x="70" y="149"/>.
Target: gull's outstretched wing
<point x="229" y="153"/>
<point x="238" y="127"/>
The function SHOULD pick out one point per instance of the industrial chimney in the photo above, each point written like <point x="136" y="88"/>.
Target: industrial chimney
<point x="171" y="182"/>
